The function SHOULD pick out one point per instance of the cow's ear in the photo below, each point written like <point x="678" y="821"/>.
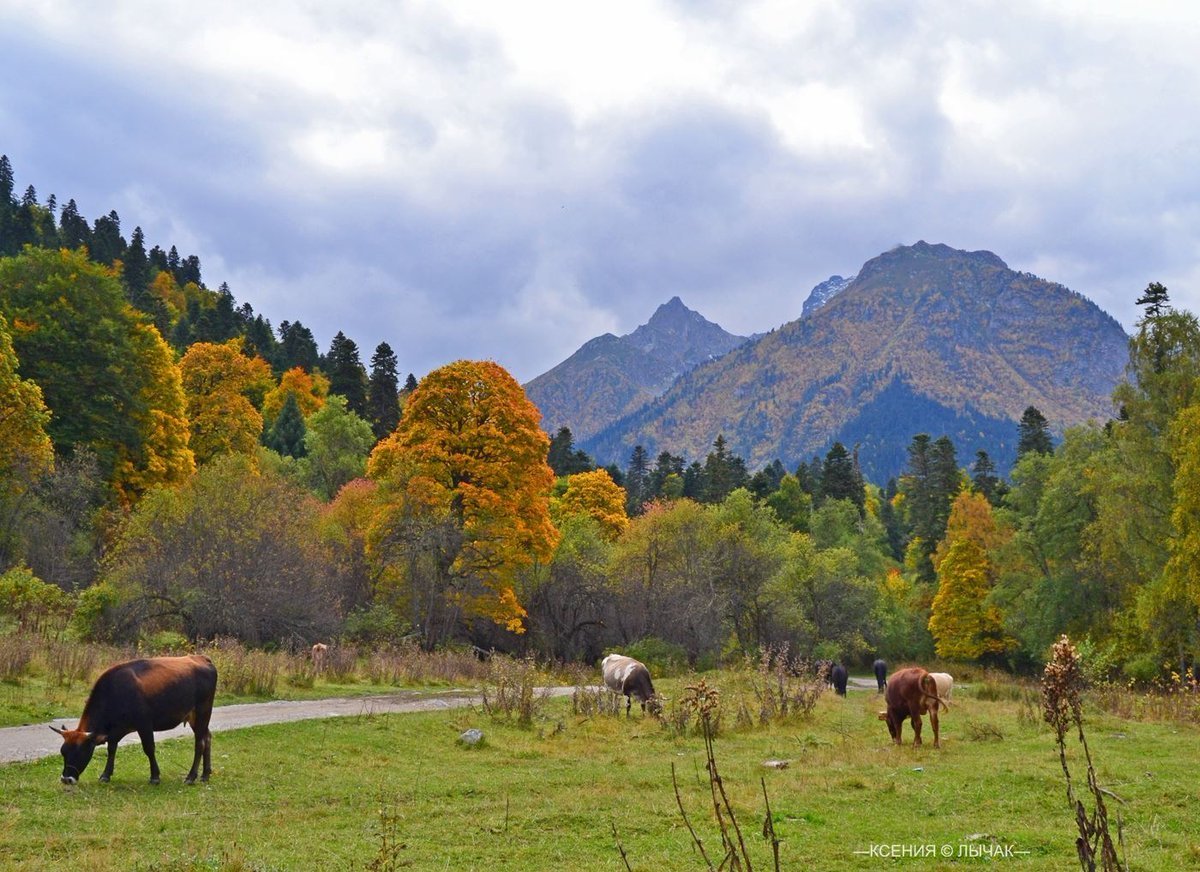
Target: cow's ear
<point x="98" y="740"/>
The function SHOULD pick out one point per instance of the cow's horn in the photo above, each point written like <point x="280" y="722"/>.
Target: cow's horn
<point x="58" y="730"/>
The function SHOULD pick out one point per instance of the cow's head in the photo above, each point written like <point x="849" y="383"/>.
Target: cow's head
<point x="883" y="716"/>
<point x="77" y="749"/>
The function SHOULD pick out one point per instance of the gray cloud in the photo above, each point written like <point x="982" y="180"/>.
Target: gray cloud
<point x="401" y="174"/>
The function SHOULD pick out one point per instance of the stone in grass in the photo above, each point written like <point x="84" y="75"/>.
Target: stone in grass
<point x="471" y="737"/>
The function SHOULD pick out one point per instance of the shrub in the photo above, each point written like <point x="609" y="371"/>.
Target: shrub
<point x="374" y="625"/>
<point x="510" y="689"/>
<point x="31" y="601"/>
<point x="243" y="672"/>
<point x="1143" y="669"/>
<point x="16" y="653"/>
<point x="659" y="656"/>
<point x="165" y="642"/>
<point x="95" y="615"/>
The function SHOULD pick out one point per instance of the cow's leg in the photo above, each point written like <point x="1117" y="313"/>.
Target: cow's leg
<point x="896" y="722"/>
<point x="628" y="704"/>
<point x="147" y="737"/>
<point x="111" y="761"/>
<point x="199" y="751"/>
<point x="916" y="722"/>
<point x="933" y="719"/>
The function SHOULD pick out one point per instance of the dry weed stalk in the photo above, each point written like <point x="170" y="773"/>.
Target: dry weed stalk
<point x="1062" y="684"/>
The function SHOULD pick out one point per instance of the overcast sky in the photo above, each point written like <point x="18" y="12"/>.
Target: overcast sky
<point x="506" y="180"/>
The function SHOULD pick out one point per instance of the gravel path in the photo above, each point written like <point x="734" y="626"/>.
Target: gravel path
<point x="36" y="741"/>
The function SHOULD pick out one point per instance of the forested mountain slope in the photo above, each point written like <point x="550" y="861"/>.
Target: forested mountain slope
<point x="925" y="338"/>
<point x="612" y="376"/>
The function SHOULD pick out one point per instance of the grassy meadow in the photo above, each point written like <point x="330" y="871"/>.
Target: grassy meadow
<point x="399" y="791"/>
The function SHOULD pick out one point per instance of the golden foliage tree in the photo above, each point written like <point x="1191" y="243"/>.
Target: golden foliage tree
<point x="596" y="495"/>
<point x="309" y="389"/>
<point x="464" y="497"/>
<point x="963" y="624"/>
<point x="971" y="520"/>
<point x="163" y="456"/>
<point x="221" y="383"/>
<point x="25" y="449"/>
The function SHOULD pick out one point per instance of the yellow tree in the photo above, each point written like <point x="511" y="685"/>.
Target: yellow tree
<point x="309" y="389"/>
<point x="464" y="497"/>
<point x="221" y="384"/>
<point x="963" y="624"/>
<point x="25" y="449"/>
<point x="1168" y="609"/>
<point x="163" y="457"/>
<point x="971" y="520"/>
<point x="596" y="495"/>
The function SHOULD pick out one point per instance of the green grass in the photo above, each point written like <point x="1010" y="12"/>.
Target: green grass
<point x="310" y="795"/>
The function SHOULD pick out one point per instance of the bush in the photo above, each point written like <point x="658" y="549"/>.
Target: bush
<point x="659" y="656"/>
<point x="31" y="601"/>
<point x="1142" y="669"/>
<point x="16" y="653"/>
<point x="374" y="625"/>
<point x="165" y="642"/>
<point x="95" y="615"/>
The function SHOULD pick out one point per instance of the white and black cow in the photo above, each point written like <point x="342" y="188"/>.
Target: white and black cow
<point x="628" y="676"/>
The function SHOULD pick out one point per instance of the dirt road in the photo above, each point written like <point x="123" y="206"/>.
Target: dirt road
<point x="36" y="741"/>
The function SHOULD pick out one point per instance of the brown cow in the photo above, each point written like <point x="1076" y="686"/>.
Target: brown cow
<point x="319" y="651"/>
<point x="143" y="696"/>
<point x="908" y="695"/>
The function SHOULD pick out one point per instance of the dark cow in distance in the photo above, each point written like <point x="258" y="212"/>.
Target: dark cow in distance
<point x="838" y="678"/>
<point x="880" y="668"/>
<point x="143" y="697"/>
<point x="628" y="676"/>
<point x="911" y="693"/>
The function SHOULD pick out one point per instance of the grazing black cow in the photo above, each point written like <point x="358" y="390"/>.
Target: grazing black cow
<point x="628" y="676"/>
<point x="824" y="670"/>
<point x="838" y="677"/>
<point x="143" y="696"/>
<point x="880" y="668"/>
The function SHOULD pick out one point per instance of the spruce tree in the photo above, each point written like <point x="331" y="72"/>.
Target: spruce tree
<point x="563" y="457"/>
<point x="383" y="392"/>
<point x="984" y="477"/>
<point x="347" y="377"/>
<point x="73" y="230"/>
<point x="286" y="436"/>
<point x="7" y="181"/>
<point x="107" y="244"/>
<point x="637" y="481"/>
<point x="1033" y="433"/>
<point x="410" y="383"/>
<point x="136" y="271"/>
<point x="840" y="480"/>
<point x="296" y="347"/>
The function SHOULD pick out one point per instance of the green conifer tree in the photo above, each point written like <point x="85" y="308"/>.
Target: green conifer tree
<point x="383" y="392"/>
<point x="286" y="436"/>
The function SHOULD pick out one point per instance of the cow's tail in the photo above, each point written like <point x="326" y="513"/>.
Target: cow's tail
<point x="937" y="700"/>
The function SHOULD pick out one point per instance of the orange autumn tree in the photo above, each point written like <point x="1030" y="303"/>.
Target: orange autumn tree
<point x="224" y="388"/>
<point x="463" y="500"/>
<point x="309" y="389"/>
